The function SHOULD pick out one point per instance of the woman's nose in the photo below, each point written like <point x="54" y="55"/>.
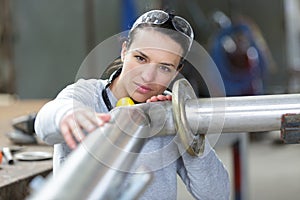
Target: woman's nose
<point x="149" y="73"/>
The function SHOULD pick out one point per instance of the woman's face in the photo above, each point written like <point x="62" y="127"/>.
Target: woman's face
<point x="149" y="64"/>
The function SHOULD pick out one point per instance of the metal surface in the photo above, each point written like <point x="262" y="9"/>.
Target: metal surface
<point x="192" y="142"/>
<point x="33" y="156"/>
<point x="225" y="114"/>
<point x="241" y="114"/>
<point x="7" y="155"/>
<point x="96" y="170"/>
<point x="195" y="117"/>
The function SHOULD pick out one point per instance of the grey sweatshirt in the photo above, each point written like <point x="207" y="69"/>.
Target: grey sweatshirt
<point x="205" y="177"/>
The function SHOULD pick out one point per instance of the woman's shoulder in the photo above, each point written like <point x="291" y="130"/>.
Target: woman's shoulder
<point x="83" y="90"/>
<point x="92" y="82"/>
<point x="83" y="87"/>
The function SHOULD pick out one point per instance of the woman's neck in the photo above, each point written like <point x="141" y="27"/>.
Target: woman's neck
<point x="117" y="88"/>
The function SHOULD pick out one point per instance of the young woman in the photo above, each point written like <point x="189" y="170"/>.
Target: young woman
<point x="150" y="59"/>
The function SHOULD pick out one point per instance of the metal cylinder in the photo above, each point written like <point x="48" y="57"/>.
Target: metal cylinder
<point x="101" y="160"/>
<point x="225" y="114"/>
<point x="240" y="114"/>
<point x="7" y="155"/>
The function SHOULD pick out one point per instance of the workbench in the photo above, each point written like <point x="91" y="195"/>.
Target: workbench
<point x="15" y="178"/>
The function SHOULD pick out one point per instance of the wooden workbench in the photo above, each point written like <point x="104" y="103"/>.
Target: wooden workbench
<point x="14" y="179"/>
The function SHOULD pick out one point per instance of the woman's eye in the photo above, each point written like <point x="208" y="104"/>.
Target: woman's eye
<point x="140" y="58"/>
<point x="165" y="68"/>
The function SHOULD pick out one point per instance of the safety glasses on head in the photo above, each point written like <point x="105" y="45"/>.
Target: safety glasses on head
<point x="159" y="17"/>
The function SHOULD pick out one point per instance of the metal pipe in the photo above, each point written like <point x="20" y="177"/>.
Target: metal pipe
<point x="194" y="118"/>
<point x="191" y="118"/>
<point x="101" y="160"/>
<point x="7" y="155"/>
<point x="230" y="114"/>
<point x="240" y="114"/>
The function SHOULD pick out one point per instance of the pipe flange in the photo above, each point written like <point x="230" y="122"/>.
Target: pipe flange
<point x="193" y="143"/>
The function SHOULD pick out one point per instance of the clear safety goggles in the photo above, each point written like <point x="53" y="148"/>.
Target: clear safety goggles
<point x="158" y="17"/>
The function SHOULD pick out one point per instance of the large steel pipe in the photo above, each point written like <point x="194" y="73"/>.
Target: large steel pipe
<point x="241" y="114"/>
<point x="101" y="161"/>
<point x="231" y="114"/>
<point x="196" y="117"/>
<point x="222" y="114"/>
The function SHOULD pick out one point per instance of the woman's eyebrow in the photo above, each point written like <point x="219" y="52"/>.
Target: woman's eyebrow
<point x="162" y="63"/>
<point x="168" y="64"/>
<point x="142" y="54"/>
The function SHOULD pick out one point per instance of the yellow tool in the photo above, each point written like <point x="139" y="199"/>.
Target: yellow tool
<point x="125" y="101"/>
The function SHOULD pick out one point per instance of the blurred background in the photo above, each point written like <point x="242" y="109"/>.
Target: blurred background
<point x="43" y="43"/>
<point x="255" y="44"/>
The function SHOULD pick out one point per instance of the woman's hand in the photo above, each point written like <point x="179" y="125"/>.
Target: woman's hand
<point x="160" y="98"/>
<point x="74" y="123"/>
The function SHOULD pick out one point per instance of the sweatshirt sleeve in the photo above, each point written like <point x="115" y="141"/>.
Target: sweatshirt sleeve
<point x="77" y="95"/>
<point x="205" y="177"/>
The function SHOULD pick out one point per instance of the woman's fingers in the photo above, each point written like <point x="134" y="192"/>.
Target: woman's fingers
<point x="74" y="125"/>
<point x="160" y="98"/>
<point x="76" y="130"/>
<point x="102" y="118"/>
<point x="169" y="97"/>
<point x="152" y="99"/>
<point x="68" y="135"/>
<point x="87" y="121"/>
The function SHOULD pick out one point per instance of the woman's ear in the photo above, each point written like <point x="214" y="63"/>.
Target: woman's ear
<point x="123" y="51"/>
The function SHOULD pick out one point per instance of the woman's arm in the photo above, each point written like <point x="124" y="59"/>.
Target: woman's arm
<point x="47" y="120"/>
<point x="72" y="111"/>
<point x="205" y="177"/>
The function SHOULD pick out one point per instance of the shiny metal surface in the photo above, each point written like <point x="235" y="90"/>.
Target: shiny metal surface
<point x="191" y="141"/>
<point x="241" y="114"/>
<point x="97" y="168"/>
<point x="191" y="118"/>
<point x="224" y="114"/>
<point x="235" y="114"/>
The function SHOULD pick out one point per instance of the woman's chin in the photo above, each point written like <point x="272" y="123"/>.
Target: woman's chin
<point x="139" y="98"/>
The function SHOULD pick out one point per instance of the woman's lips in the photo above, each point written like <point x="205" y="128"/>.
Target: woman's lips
<point x="143" y="88"/>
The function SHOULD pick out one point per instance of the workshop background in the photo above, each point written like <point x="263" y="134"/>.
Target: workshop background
<point x="43" y="43"/>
